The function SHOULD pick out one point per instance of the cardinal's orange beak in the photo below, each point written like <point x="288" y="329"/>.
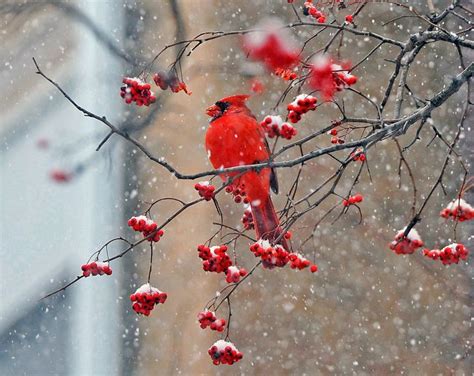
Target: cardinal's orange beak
<point x="213" y="111"/>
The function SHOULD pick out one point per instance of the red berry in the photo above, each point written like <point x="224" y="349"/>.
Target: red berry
<point x="358" y="197"/>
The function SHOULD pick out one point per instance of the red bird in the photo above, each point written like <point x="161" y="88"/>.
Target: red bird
<point x="234" y="138"/>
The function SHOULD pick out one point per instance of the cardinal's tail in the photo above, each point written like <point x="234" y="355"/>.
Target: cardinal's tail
<point x="267" y="224"/>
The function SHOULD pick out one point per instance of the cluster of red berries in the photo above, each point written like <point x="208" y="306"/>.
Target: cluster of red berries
<point x="335" y="139"/>
<point x="96" y="268"/>
<point x="135" y="90"/>
<point x="223" y="352"/>
<point x="60" y="176"/>
<point x="328" y="77"/>
<point x="233" y="274"/>
<point x="205" y="189"/>
<point x="402" y="245"/>
<point x="353" y="200"/>
<point x="271" y="256"/>
<point x="286" y="74"/>
<point x="299" y="262"/>
<point x="274" y="126"/>
<point x="247" y="219"/>
<point x="277" y="256"/>
<point x="358" y="155"/>
<point x="451" y="254"/>
<point x="215" y="259"/>
<point x="208" y="319"/>
<point x="147" y="227"/>
<point x="169" y="80"/>
<point x="342" y="76"/>
<point x="145" y="299"/>
<point x="238" y="191"/>
<point x="301" y="105"/>
<point x="458" y="210"/>
<point x="272" y="45"/>
<point x="310" y="10"/>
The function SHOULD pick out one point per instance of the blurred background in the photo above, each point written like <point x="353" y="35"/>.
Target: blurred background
<point x="366" y="311"/>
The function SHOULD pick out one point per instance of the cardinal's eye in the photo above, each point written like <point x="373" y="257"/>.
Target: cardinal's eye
<point x="222" y="105"/>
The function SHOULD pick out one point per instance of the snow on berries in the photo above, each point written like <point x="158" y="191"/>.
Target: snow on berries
<point x="358" y="155"/>
<point x="274" y="126"/>
<point x="351" y="200"/>
<point x="205" y="190"/>
<point x="247" y="219"/>
<point x="297" y="261"/>
<point x="402" y="245"/>
<point x="135" y="90"/>
<point x="147" y="227"/>
<point x="218" y="325"/>
<point x="215" y="259"/>
<point x="271" y="256"/>
<point x="96" y="268"/>
<point x="458" y="210"/>
<point x="309" y="9"/>
<point x="451" y="254"/>
<point x="329" y="77"/>
<point x="272" y="45"/>
<point x="224" y="352"/>
<point x="145" y="299"/>
<point x="233" y="274"/>
<point x="301" y="105"/>
<point x="169" y="80"/>
<point x="208" y="319"/>
<point x="277" y="256"/>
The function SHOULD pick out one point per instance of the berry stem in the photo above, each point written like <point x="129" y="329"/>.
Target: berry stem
<point x="151" y="262"/>
<point x="227" y="333"/>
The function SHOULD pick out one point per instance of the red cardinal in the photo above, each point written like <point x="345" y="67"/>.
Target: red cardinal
<point x="234" y="138"/>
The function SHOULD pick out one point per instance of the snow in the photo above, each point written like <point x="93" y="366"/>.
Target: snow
<point x="459" y="202"/>
<point x="452" y="246"/>
<point x="412" y="235"/>
<point x="255" y="202"/>
<point x="233" y="269"/>
<point x="213" y="249"/>
<point x="300" y="97"/>
<point x="264" y="243"/>
<point x="147" y="288"/>
<point x="221" y="345"/>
